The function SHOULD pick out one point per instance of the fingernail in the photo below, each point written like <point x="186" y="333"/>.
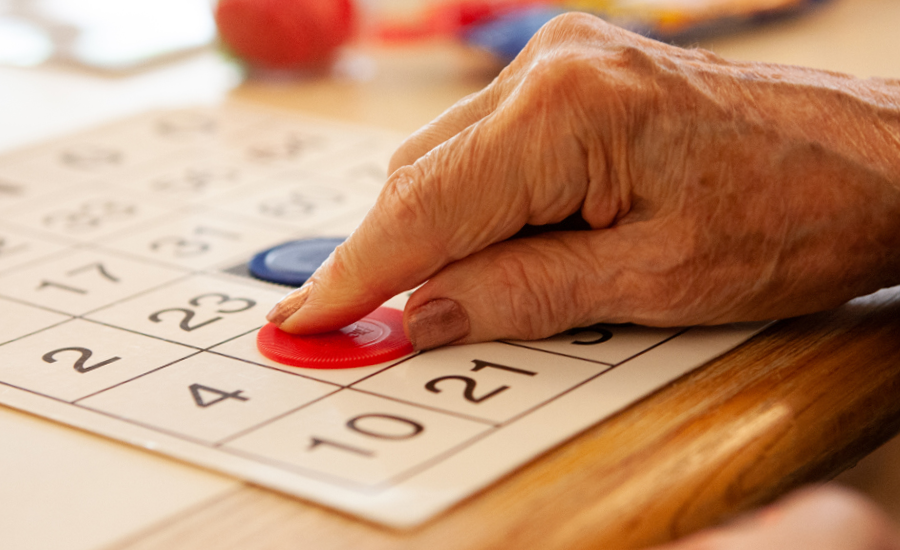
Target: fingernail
<point x="436" y="323"/>
<point x="289" y="305"/>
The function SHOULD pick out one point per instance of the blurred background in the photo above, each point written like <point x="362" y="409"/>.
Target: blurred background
<point x="67" y="64"/>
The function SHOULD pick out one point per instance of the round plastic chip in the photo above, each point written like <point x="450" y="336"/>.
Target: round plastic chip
<point x="374" y="339"/>
<point x="294" y="262"/>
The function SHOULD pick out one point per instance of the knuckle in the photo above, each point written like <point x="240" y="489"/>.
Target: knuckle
<point x="573" y="24"/>
<point x="652" y="284"/>
<point x="672" y="283"/>
<point x="525" y="301"/>
<point x="411" y="202"/>
<point x="623" y="77"/>
<point x="403" y="196"/>
<point x="643" y="70"/>
<point x="537" y="297"/>
<point x="559" y="70"/>
<point x="631" y="56"/>
<point x="554" y="87"/>
<point x="403" y="155"/>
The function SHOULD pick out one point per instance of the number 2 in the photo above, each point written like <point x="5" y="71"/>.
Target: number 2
<point x="79" y="365"/>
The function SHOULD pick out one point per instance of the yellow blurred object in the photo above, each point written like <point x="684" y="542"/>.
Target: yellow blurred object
<point x="675" y="16"/>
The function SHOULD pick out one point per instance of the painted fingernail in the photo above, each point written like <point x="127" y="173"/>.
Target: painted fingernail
<point x="289" y="305"/>
<point x="436" y="323"/>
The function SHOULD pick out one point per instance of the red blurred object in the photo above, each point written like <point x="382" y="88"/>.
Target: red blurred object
<point x="286" y="34"/>
<point x="451" y="17"/>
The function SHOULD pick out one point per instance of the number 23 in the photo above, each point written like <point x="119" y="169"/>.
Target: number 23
<point x="187" y="315"/>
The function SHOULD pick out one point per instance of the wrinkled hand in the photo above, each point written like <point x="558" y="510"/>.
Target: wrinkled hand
<point x="826" y="518"/>
<point x="715" y="191"/>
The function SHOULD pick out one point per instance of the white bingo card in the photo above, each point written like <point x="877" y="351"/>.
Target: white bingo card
<point x="127" y="311"/>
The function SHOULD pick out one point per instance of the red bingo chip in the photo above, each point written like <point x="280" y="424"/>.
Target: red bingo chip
<point x="374" y="339"/>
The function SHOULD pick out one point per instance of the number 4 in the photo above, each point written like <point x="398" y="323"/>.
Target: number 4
<point x="198" y="391"/>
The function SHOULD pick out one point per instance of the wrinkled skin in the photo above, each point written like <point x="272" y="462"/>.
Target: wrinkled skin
<point x="717" y="191"/>
<point x="825" y="518"/>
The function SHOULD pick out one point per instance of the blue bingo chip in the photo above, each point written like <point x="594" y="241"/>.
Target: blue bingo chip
<point x="294" y="262"/>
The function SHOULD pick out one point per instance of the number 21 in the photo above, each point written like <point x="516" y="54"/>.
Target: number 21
<point x="469" y="391"/>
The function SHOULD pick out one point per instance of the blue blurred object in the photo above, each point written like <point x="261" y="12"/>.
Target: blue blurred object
<point x="294" y="262"/>
<point x="507" y="34"/>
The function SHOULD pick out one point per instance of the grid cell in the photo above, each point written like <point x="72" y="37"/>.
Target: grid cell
<point x="77" y="358"/>
<point x="360" y="438"/>
<point x="208" y="397"/>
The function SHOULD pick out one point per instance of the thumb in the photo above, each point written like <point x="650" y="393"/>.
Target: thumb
<point x="531" y="288"/>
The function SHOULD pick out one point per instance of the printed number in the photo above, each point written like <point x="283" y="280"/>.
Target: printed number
<point x="386" y="426"/>
<point x="79" y="365"/>
<point x="193" y="180"/>
<point x="290" y="147"/>
<point x="316" y="442"/>
<point x="99" y="267"/>
<point x="182" y="247"/>
<point x="187" y="315"/>
<point x="603" y="335"/>
<point x="90" y="157"/>
<point x="198" y="391"/>
<point x="96" y="266"/>
<point x="408" y="428"/>
<point x="50" y="284"/>
<point x="301" y="203"/>
<point x="223" y="299"/>
<point x="176" y="125"/>
<point x="469" y="391"/>
<point x="90" y="215"/>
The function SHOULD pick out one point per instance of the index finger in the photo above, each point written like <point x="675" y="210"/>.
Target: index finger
<point x="437" y="210"/>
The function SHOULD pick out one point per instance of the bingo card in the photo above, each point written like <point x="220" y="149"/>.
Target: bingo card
<point x="128" y="311"/>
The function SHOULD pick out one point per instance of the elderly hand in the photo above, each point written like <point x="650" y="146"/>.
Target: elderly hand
<point x="714" y="191"/>
<point x="826" y="518"/>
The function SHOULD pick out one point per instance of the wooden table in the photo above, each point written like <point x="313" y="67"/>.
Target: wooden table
<point x="798" y="403"/>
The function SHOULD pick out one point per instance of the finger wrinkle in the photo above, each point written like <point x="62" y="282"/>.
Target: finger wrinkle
<point x="525" y="279"/>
